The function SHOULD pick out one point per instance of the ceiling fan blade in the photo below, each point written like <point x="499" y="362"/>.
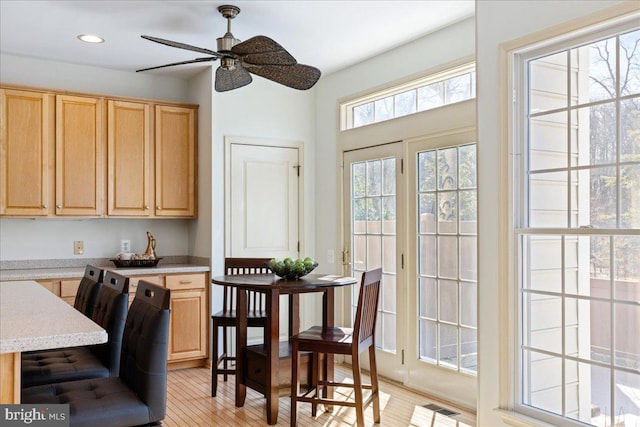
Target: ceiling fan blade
<point x="182" y="46"/>
<point x="296" y="76"/>
<point x="178" y="63"/>
<point x="228" y="79"/>
<point x="261" y="50"/>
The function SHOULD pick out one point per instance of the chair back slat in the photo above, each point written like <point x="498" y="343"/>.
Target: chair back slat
<point x="88" y="290"/>
<point x="236" y="266"/>
<point x="367" y="311"/>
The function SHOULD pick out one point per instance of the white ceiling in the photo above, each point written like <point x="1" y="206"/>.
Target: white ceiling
<point x="327" y="34"/>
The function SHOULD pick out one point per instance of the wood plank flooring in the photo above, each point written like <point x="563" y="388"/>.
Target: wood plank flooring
<point x="189" y="404"/>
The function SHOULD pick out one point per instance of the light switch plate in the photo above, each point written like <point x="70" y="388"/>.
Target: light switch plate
<point x="125" y="246"/>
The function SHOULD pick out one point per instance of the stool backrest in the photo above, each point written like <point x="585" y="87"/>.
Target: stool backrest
<point x="234" y="266"/>
<point x="143" y="365"/>
<point x="88" y="290"/>
<point x="367" y="312"/>
<point x="110" y="312"/>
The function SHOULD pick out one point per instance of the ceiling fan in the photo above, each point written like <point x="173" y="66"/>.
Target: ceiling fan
<point x="259" y="55"/>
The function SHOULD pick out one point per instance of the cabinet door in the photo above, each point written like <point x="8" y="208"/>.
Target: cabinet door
<point x="26" y="121"/>
<point x="188" y="325"/>
<point x="79" y="156"/>
<point x="175" y="154"/>
<point x="128" y="154"/>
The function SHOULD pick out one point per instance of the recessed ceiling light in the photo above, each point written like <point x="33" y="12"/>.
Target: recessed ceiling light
<point x="90" y="38"/>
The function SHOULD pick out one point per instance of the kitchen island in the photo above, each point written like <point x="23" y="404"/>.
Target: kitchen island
<point x="31" y="318"/>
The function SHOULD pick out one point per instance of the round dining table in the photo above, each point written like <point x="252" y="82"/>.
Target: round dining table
<point x="272" y="287"/>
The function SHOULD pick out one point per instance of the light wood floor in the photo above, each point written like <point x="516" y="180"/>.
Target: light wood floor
<point x="189" y="404"/>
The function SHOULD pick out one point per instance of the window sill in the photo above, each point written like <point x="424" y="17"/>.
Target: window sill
<point x="516" y="419"/>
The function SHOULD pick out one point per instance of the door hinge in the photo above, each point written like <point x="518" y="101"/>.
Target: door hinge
<point x="401" y="165"/>
<point x="297" y="168"/>
<point x="298" y="248"/>
<point x="514" y="96"/>
<point x="402" y="261"/>
<point x="403" y="356"/>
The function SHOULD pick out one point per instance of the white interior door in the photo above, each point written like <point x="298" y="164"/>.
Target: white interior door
<point x="263" y="197"/>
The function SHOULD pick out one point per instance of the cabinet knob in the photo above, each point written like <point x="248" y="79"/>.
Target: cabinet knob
<point x="146" y="207"/>
<point x="158" y="207"/>
<point x="59" y="206"/>
<point x="44" y="206"/>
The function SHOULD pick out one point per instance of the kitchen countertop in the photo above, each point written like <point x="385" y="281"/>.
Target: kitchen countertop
<point x="35" y="319"/>
<point x="75" y="272"/>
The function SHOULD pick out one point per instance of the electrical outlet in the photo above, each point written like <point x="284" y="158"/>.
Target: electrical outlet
<point x="125" y="245"/>
<point x="78" y="247"/>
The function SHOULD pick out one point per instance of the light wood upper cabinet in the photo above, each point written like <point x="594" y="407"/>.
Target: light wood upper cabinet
<point x="128" y="159"/>
<point x="79" y="156"/>
<point x="175" y="161"/>
<point x="89" y="156"/>
<point x="26" y="155"/>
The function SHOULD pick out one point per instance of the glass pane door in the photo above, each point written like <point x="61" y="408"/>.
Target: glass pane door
<point x="372" y="197"/>
<point x="442" y="267"/>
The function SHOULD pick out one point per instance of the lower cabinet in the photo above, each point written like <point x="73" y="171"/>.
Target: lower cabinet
<point x="189" y="321"/>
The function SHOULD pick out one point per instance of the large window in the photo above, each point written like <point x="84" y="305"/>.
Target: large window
<point x="577" y="230"/>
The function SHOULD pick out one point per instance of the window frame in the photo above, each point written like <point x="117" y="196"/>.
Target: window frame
<point x="346" y="107"/>
<point x="518" y="206"/>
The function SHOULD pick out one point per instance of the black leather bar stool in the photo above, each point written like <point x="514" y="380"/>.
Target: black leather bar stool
<point x="78" y="363"/>
<point x="88" y="290"/>
<point x="139" y="395"/>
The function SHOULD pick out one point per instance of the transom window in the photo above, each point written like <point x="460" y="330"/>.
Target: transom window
<point x="577" y="230"/>
<point x="451" y="86"/>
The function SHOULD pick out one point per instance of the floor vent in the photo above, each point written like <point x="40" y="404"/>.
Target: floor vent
<point x="441" y="410"/>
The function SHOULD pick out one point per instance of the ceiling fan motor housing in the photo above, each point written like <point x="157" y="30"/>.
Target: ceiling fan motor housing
<point x="227" y="42"/>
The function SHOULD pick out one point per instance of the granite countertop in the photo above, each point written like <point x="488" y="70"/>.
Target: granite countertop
<point x="58" y="324"/>
<point x="34" y="270"/>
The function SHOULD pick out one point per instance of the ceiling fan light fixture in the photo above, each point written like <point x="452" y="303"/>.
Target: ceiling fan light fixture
<point x="90" y="38"/>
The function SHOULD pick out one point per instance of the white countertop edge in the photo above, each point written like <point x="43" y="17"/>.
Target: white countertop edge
<point x="52" y="342"/>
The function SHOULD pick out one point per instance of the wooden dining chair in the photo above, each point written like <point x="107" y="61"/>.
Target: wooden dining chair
<point x="351" y="342"/>
<point x="226" y="318"/>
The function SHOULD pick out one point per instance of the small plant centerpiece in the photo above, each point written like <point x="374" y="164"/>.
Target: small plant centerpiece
<point x="289" y="268"/>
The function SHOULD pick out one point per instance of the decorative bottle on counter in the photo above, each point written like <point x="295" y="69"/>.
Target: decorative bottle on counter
<point x="150" y="253"/>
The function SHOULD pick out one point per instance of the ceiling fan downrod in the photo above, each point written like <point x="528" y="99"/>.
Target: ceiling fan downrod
<point x="226" y="42"/>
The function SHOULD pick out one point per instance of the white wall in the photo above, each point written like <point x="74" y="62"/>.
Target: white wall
<point x="200" y="90"/>
<point x="23" y="239"/>
<point x="21" y="70"/>
<point x="498" y="22"/>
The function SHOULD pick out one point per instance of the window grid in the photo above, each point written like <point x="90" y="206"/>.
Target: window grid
<point x="373" y="196"/>
<point x="576" y="239"/>
<point x="451" y="86"/>
<point x="432" y="183"/>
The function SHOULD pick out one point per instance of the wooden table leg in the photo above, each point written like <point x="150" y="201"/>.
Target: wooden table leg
<point x="294" y="314"/>
<point x="328" y="320"/>
<point x="241" y="344"/>
<point x="272" y="347"/>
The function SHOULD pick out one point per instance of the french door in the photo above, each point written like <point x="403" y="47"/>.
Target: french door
<point x="373" y="238"/>
<point x="410" y="208"/>
<point x="442" y="266"/>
